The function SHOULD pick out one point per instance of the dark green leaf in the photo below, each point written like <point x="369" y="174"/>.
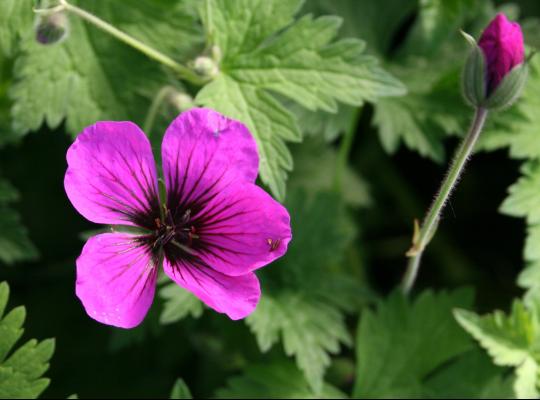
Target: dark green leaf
<point x="401" y="343"/>
<point x="274" y="381"/>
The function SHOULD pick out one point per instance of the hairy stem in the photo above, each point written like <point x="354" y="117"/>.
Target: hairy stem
<point x="423" y="236"/>
<point x="182" y="71"/>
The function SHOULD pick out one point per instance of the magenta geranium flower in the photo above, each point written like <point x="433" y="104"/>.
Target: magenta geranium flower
<point x="214" y="229"/>
<point x="502" y="44"/>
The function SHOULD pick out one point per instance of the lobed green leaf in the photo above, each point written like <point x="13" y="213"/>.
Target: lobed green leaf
<point x="21" y="369"/>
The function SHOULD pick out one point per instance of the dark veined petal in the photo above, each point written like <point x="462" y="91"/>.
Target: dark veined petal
<point x="111" y="176"/>
<point x="116" y="279"/>
<point x="237" y="296"/>
<point x="203" y="152"/>
<point x="241" y="229"/>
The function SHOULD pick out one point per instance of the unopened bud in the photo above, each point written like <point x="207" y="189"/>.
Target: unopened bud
<point x="495" y="71"/>
<point x="52" y="28"/>
<point x="206" y="67"/>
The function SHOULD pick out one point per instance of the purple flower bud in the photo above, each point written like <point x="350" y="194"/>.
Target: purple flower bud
<point x="52" y="28"/>
<point x="502" y="44"/>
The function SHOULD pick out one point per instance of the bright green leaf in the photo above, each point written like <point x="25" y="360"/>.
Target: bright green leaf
<point x="522" y="201"/>
<point x="511" y="340"/>
<point x="21" y="369"/>
<point x="517" y="128"/>
<point x="507" y="339"/>
<point x="264" y="51"/>
<point x="15" y="22"/>
<point x="524" y="195"/>
<point x="91" y="76"/>
<point x="267" y="119"/>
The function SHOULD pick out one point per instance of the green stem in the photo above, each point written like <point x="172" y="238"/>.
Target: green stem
<point x="154" y="108"/>
<point x="345" y="150"/>
<point x="183" y="71"/>
<point x="429" y="226"/>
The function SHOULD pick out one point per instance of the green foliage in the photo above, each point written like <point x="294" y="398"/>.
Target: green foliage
<point x="91" y="76"/>
<point x="517" y="128"/>
<point x="522" y="201"/>
<point x="179" y="303"/>
<point x="471" y="376"/>
<point x="15" y="22"/>
<point x="278" y="380"/>
<point x="401" y="344"/>
<point x="302" y="63"/>
<point x="511" y="340"/>
<point x="425" y="61"/>
<point x="322" y="124"/>
<point x="21" y="370"/>
<point x="169" y="27"/>
<point x="438" y="22"/>
<point x="428" y="66"/>
<point x="288" y="76"/>
<point x="315" y="172"/>
<point x="14" y="242"/>
<point x="310" y="329"/>
<point x="180" y="390"/>
<point x="365" y="22"/>
<point x="432" y="110"/>
<point x="5" y="104"/>
<point x="306" y="292"/>
<point x="524" y="196"/>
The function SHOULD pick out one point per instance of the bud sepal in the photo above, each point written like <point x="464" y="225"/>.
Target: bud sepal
<point x="474" y="75"/>
<point x="509" y="89"/>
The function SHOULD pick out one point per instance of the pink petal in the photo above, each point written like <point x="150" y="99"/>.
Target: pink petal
<point x="241" y="229"/>
<point x="502" y="44"/>
<point x="204" y="152"/>
<point x="116" y="279"/>
<point x="235" y="296"/>
<point x="111" y="176"/>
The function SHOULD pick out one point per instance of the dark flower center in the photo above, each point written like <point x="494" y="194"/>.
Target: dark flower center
<point x="175" y="236"/>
